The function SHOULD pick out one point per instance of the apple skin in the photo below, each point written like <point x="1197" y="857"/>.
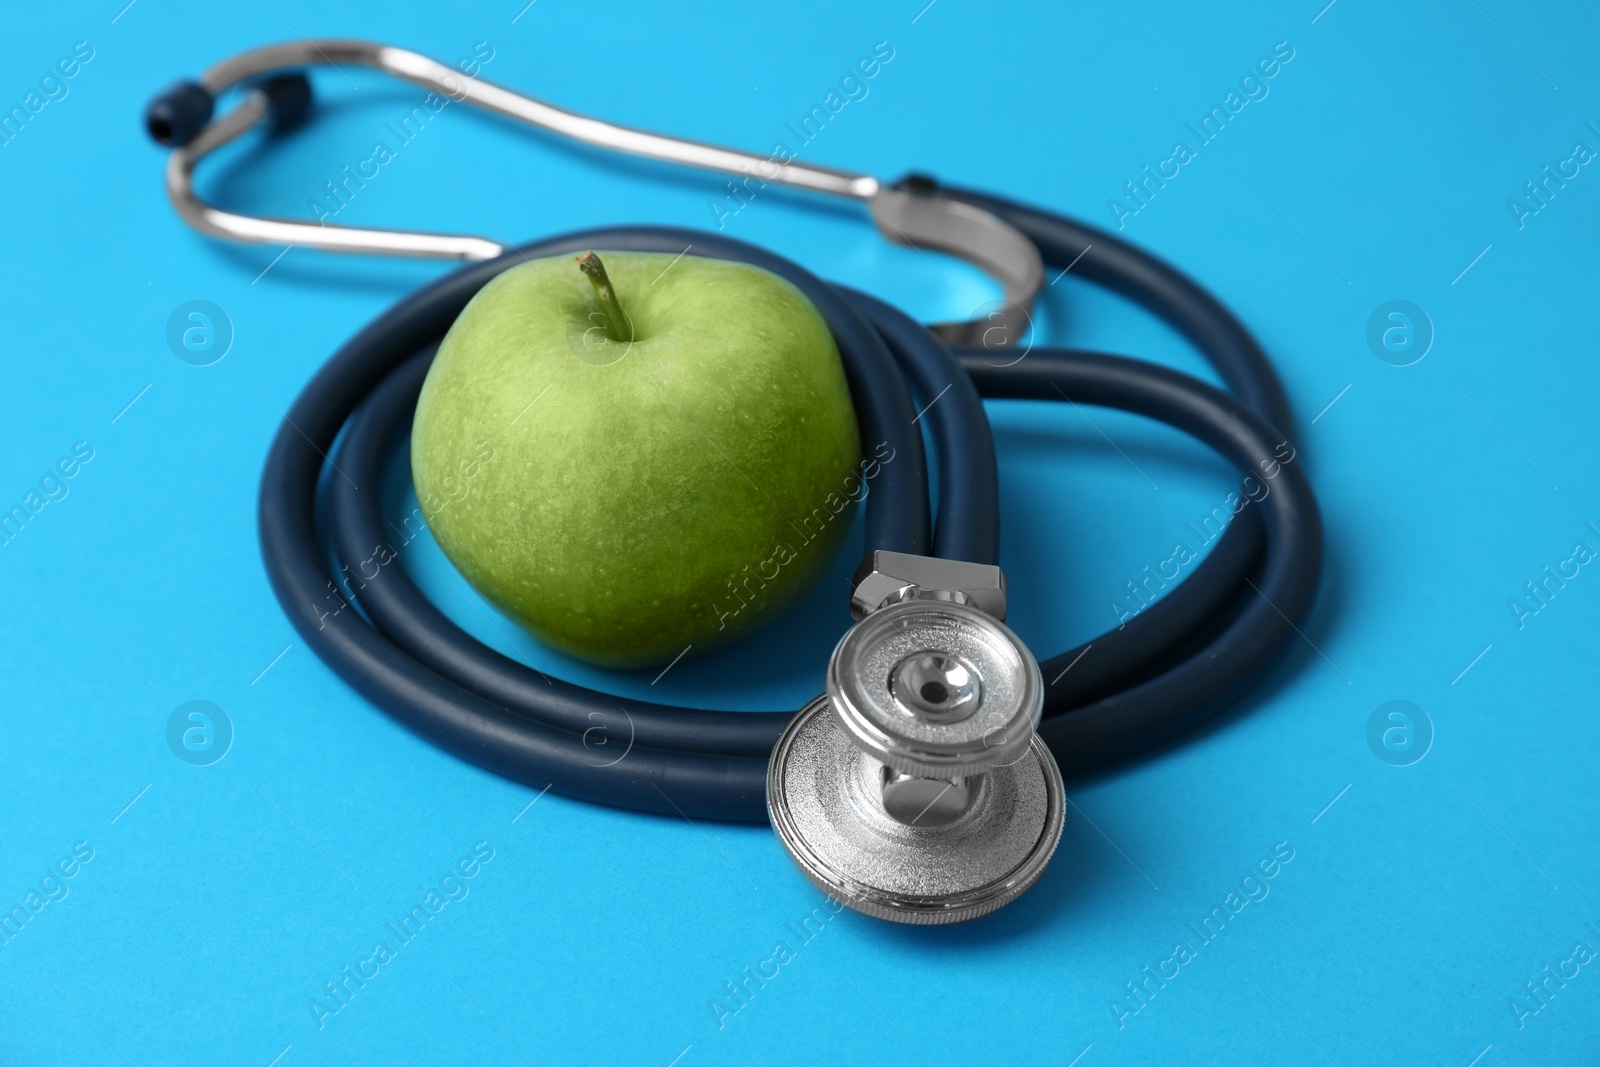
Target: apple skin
<point x="625" y="501"/>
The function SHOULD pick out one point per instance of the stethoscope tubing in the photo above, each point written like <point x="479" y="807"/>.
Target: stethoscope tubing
<point x="459" y="719"/>
<point x="417" y="665"/>
<point x="1212" y="648"/>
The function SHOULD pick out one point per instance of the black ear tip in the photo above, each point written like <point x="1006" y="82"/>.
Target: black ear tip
<point x="289" y="97"/>
<point x="177" y="116"/>
<point x="918" y="184"/>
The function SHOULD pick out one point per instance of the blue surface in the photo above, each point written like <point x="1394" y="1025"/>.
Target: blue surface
<point x="1420" y="902"/>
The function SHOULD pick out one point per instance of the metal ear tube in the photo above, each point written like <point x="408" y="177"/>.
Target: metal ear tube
<point x="916" y="788"/>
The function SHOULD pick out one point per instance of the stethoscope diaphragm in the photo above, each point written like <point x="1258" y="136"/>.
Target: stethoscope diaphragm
<point x="827" y="802"/>
<point x="916" y="789"/>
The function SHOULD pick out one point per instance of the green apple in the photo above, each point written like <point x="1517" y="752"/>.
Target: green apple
<point x="638" y="457"/>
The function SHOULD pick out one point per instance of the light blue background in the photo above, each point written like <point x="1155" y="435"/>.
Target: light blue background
<point x="1417" y="905"/>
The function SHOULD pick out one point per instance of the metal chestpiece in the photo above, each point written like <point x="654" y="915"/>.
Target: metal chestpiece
<point x="916" y="789"/>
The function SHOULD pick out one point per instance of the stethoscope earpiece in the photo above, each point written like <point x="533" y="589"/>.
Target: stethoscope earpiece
<point x="177" y="115"/>
<point x="180" y="114"/>
<point x="277" y="95"/>
<point x="916" y="789"/>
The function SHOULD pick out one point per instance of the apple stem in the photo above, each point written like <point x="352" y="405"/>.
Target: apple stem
<point x="618" y="326"/>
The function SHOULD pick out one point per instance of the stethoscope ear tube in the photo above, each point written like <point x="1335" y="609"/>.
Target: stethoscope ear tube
<point x="272" y="95"/>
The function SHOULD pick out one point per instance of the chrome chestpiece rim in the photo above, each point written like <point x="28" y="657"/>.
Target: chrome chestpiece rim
<point x="936" y="688"/>
<point x="915" y="789"/>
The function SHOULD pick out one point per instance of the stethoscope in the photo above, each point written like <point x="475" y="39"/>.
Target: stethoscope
<point x="919" y="787"/>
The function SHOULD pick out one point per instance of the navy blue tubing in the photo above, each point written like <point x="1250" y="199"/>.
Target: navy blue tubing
<point x="403" y="614"/>
<point x="549" y="749"/>
<point x="969" y="478"/>
<point x="418" y="666"/>
<point x="1257" y="621"/>
<point x="1118" y="659"/>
